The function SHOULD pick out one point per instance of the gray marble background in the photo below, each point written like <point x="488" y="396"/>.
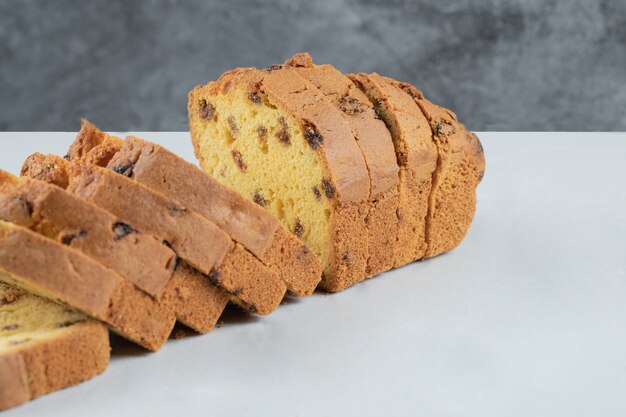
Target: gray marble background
<point x="500" y="64"/>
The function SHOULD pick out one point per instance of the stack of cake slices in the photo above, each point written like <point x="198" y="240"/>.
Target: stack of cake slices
<point x="311" y="178"/>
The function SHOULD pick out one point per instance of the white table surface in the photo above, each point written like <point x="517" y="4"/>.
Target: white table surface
<point x="526" y="318"/>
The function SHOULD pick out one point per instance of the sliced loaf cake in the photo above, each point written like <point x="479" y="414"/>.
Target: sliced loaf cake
<point x="195" y="239"/>
<point x="49" y="269"/>
<point x="45" y="347"/>
<point x="377" y="148"/>
<point x="273" y="136"/>
<point x="247" y="223"/>
<point x="140" y="258"/>
<point x="460" y="168"/>
<point x="417" y="159"/>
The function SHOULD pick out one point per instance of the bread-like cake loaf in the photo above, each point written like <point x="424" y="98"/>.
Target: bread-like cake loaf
<point x="195" y="239"/>
<point x="417" y="159"/>
<point x="45" y="347"/>
<point x="48" y="269"/>
<point x="139" y="258"/>
<point x="460" y="168"/>
<point x="273" y="136"/>
<point x="375" y="143"/>
<point x="247" y="223"/>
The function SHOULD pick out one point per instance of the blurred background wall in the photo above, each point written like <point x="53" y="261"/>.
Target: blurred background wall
<point x="127" y="65"/>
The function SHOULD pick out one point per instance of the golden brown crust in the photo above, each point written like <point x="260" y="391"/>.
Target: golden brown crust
<point x="76" y="355"/>
<point x="417" y="158"/>
<point x="48" y="269"/>
<point x="248" y="224"/>
<point x="74" y="222"/>
<point x="375" y="143"/>
<point x="286" y="89"/>
<point x="461" y="165"/>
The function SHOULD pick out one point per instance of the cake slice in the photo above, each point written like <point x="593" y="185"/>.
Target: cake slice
<point x="417" y="159"/>
<point x="246" y="222"/>
<point x="195" y="239"/>
<point x="64" y="217"/>
<point x="374" y="141"/>
<point x="460" y="168"/>
<point x="139" y="258"/>
<point x="45" y="347"/>
<point x="272" y="136"/>
<point x="48" y="269"/>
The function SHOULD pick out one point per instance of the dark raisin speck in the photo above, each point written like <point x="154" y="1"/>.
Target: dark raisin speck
<point x="254" y="97"/>
<point x="351" y="105"/>
<point x="207" y="110"/>
<point x="317" y="192"/>
<point x="238" y="158"/>
<point x="261" y="132"/>
<point x="313" y="137"/>
<point x="298" y="229"/>
<point x="67" y="157"/>
<point x="10" y="327"/>
<point x="259" y="199"/>
<point x="19" y="342"/>
<point x="124" y="169"/>
<point x="283" y="133"/>
<point x="214" y="276"/>
<point x="9" y="298"/>
<point x="122" y="230"/>
<point x="329" y="189"/>
<point x="69" y="238"/>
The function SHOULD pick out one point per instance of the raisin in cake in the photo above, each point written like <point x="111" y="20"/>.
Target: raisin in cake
<point x="51" y="270"/>
<point x="247" y="223"/>
<point x="139" y="258"/>
<point x="272" y="135"/>
<point x="45" y="347"/>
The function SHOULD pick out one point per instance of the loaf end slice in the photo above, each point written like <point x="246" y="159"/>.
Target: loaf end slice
<point x="48" y="269"/>
<point x="45" y="347"/>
